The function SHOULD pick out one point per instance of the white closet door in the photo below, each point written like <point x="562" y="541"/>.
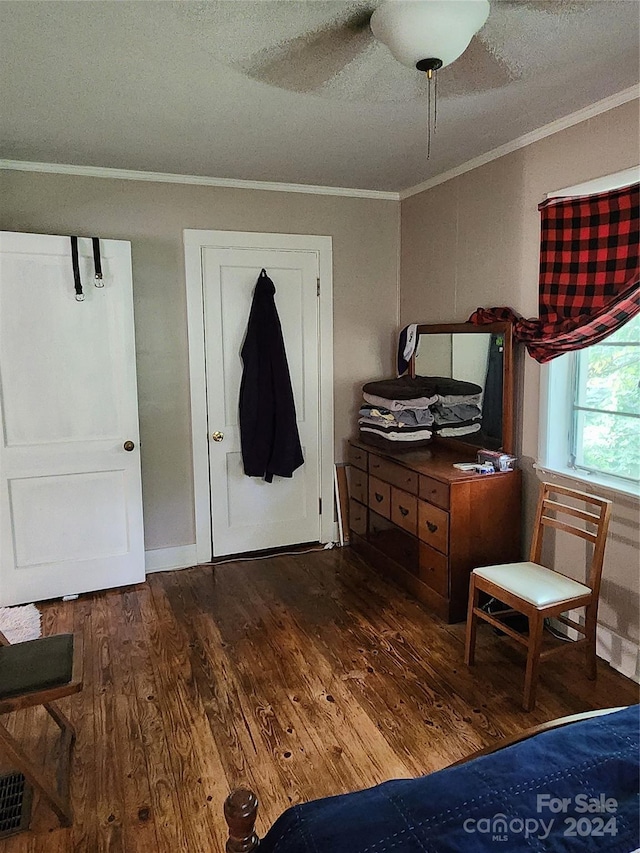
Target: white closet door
<point x="247" y="513"/>
<point x="70" y="493"/>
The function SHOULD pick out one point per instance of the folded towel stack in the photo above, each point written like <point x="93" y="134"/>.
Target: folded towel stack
<point x="407" y="412"/>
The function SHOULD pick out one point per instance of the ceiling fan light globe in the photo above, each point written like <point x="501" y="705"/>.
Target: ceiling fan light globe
<point x="415" y="29"/>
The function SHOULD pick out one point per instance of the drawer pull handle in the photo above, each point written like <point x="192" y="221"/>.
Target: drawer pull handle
<point x="403" y="512"/>
<point x="379" y="497"/>
<point x="431" y="527"/>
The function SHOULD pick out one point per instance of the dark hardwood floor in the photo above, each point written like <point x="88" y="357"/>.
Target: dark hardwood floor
<point x="298" y="676"/>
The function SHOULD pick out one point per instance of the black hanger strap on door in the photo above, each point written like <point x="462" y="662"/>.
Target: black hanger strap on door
<point x="97" y="265"/>
<point x="97" y="262"/>
<point x="76" y="270"/>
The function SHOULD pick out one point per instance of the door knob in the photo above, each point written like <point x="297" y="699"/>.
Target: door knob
<point x="128" y="445"/>
<point x="217" y="436"/>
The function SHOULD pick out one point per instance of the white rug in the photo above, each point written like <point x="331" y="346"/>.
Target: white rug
<point x="20" y="623"/>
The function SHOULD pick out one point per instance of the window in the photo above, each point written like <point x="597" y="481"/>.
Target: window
<point x="605" y="435"/>
<point x="590" y="400"/>
<point x="590" y="424"/>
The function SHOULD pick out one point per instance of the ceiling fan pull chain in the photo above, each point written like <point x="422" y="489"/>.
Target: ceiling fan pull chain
<point x="435" y="100"/>
<point x="428" y="115"/>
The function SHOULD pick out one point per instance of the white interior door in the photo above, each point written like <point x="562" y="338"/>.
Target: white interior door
<point x="71" y="499"/>
<point x="247" y="513"/>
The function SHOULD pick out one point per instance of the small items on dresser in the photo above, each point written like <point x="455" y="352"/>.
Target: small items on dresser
<point x="498" y="461"/>
<point x="406" y="412"/>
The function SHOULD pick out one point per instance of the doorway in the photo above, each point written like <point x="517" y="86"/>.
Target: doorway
<point x="236" y="513"/>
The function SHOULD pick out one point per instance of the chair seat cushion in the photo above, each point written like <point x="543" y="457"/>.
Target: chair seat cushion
<point x="35" y="665"/>
<point x="533" y="583"/>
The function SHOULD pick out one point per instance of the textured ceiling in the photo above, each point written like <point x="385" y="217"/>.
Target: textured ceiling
<point x="291" y="90"/>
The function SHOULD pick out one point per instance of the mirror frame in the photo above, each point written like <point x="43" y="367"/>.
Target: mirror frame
<point x="508" y="375"/>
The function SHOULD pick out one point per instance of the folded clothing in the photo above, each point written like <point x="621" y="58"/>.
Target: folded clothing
<point x="383" y="443"/>
<point x="403" y="417"/>
<point x="457" y="415"/>
<point x="401" y="405"/>
<point x="407" y="436"/>
<point x="407" y="388"/>
<point x="459" y="399"/>
<point x="395" y="428"/>
<point x="452" y="432"/>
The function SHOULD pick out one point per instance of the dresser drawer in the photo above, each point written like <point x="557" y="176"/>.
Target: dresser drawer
<point x="380" y="497"/>
<point x="433" y="526"/>
<point x="434" y="569"/>
<point x="358" y="488"/>
<point x="394" y="543"/>
<point x="404" y="510"/>
<point x="394" y="474"/>
<point x="434" y="491"/>
<point x="358" y="457"/>
<point x="358" y="517"/>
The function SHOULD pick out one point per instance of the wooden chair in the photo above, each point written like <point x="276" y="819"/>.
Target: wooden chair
<point x="539" y="593"/>
<point x="38" y="672"/>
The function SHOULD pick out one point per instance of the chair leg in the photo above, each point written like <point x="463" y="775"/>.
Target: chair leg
<point x="63" y="721"/>
<point x="472" y="623"/>
<point x="536" y="626"/>
<point x="590" y="627"/>
<point x="58" y="801"/>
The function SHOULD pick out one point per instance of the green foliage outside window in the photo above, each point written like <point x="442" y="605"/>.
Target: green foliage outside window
<point x="607" y="404"/>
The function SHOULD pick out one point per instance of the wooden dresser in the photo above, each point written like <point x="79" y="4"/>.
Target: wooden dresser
<point x="427" y="524"/>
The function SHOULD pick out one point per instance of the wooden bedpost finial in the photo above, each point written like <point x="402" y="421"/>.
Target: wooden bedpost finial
<point x="240" y="811"/>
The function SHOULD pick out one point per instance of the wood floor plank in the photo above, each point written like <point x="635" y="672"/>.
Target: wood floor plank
<point x="302" y="751"/>
<point x="319" y="689"/>
<point x="164" y="800"/>
<point x="138" y="819"/>
<point x="108" y="759"/>
<point x="300" y="676"/>
<point x="198" y="772"/>
<point x="378" y="655"/>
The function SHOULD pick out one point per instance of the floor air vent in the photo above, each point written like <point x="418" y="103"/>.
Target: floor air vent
<point x="15" y="804"/>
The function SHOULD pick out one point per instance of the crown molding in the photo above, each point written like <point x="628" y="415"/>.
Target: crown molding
<point x="606" y="104"/>
<point x="195" y="180"/>
<point x="556" y="126"/>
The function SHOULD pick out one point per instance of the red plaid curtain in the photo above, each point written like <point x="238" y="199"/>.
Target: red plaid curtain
<point x="589" y="273"/>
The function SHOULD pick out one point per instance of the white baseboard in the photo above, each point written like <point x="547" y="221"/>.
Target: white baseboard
<point x="183" y="556"/>
<point x="167" y="559"/>
<point x="619" y="652"/>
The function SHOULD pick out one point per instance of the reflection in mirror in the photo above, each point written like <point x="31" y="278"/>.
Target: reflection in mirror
<point x="474" y="415"/>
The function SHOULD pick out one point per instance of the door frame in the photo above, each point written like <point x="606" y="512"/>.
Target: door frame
<point x="195" y="241"/>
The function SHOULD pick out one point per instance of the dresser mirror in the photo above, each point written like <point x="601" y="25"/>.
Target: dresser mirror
<point x="483" y="356"/>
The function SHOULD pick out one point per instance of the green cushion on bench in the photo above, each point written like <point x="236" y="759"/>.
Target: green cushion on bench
<point x="35" y="665"/>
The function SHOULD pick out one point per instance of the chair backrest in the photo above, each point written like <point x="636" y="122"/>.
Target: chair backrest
<point x="548" y="514"/>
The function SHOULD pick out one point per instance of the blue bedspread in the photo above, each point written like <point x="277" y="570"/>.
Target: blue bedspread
<point x="572" y="789"/>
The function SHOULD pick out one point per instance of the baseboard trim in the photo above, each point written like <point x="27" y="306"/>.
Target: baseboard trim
<point x="621" y="654"/>
<point x="168" y="559"/>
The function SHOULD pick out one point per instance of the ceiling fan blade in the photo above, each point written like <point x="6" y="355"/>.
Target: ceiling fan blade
<point x="306" y="63"/>
<point x="477" y="70"/>
<point x="547" y="7"/>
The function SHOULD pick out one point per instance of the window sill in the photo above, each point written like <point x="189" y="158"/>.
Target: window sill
<point x="617" y="488"/>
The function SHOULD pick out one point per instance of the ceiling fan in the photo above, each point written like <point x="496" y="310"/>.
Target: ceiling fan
<point x="342" y="55"/>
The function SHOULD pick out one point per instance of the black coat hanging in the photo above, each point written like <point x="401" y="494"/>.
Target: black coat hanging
<point x="268" y="429"/>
